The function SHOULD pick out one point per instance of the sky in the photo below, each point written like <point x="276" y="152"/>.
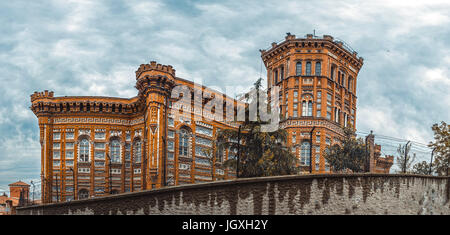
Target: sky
<point x="93" y="48"/>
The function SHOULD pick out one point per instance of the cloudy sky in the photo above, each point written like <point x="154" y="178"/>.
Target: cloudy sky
<point x="83" y="47"/>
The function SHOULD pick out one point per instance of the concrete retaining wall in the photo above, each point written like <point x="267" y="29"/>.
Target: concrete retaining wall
<point x="307" y="194"/>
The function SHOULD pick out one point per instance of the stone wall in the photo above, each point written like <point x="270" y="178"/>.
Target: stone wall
<point x="305" y="194"/>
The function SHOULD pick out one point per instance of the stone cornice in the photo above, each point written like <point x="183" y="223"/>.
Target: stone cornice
<point x="326" y="42"/>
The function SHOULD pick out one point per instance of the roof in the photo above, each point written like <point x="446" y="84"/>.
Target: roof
<point x="19" y="183"/>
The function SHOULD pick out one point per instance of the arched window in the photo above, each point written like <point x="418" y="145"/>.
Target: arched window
<point x="137" y="151"/>
<point x="83" y="193"/>
<point x="298" y="68"/>
<point x="307" y="108"/>
<point x="310" y="108"/>
<point x="318" y="68"/>
<point x="305" y="153"/>
<point x="83" y="150"/>
<point x="183" y="143"/>
<point x="114" y="150"/>
<point x="304" y="108"/>
<point x="308" y="68"/>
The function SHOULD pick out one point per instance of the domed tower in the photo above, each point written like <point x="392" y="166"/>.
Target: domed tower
<point x="155" y="82"/>
<point x="317" y="79"/>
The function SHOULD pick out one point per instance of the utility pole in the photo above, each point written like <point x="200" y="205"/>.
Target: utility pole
<point x="109" y="173"/>
<point x="33" y="192"/>
<point x="73" y="180"/>
<point x="431" y="161"/>
<point x="57" y="191"/>
<point x="310" y="149"/>
<point x="239" y="152"/>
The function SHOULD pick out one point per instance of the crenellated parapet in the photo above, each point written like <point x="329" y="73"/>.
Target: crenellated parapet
<point x="155" y="78"/>
<point x="45" y="103"/>
<point x="41" y="95"/>
<point x="154" y="68"/>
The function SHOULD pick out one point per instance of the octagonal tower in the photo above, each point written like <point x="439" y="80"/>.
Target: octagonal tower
<point x="317" y="77"/>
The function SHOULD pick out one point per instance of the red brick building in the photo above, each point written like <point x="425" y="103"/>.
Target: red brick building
<point x="92" y="146"/>
<point x="19" y="196"/>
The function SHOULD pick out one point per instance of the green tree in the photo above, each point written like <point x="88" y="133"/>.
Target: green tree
<point x="421" y="168"/>
<point x="260" y="153"/>
<point x="404" y="159"/>
<point x="350" y="155"/>
<point x="441" y="146"/>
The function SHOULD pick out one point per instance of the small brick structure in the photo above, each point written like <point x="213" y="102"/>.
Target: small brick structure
<point x="299" y="194"/>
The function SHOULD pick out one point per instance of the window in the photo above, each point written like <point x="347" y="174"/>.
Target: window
<point x="184" y="143"/>
<point x="84" y="150"/>
<point x="100" y="135"/>
<point x="307" y="108"/>
<point x="350" y="83"/>
<point x="170" y="145"/>
<point x="69" y="154"/>
<point x="298" y="69"/>
<point x="332" y="73"/>
<point x="203" y="141"/>
<point x="203" y="130"/>
<point x="56" y="136"/>
<point x="318" y="68"/>
<point x="171" y="134"/>
<point x="281" y="73"/>
<point x="170" y="121"/>
<point x="83" y="193"/>
<point x="304" y="108"/>
<point x="99" y="145"/>
<point x="56" y="154"/>
<point x="310" y="108"/>
<point x="69" y="145"/>
<point x="69" y="135"/>
<point x="115" y="150"/>
<point x="137" y="151"/>
<point x="305" y="153"/>
<point x="308" y="68"/>
<point x="276" y="76"/>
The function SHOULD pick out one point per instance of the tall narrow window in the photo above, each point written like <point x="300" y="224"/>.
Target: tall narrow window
<point x="318" y="68"/>
<point x="332" y="73"/>
<point x="350" y="83"/>
<point x="339" y="77"/>
<point x="298" y="69"/>
<point x="84" y="150"/>
<point x="276" y="76"/>
<point x="305" y="153"/>
<point x="137" y="151"/>
<point x="308" y="68"/>
<point x="310" y="108"/>
<point x="281" y="73"/>
<point x="115" y="151"/>
<point x="304" y="108"/>
<point x="183" y="143"/>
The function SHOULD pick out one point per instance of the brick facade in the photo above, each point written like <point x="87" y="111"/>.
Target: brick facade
<point x="94" y="146"/>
